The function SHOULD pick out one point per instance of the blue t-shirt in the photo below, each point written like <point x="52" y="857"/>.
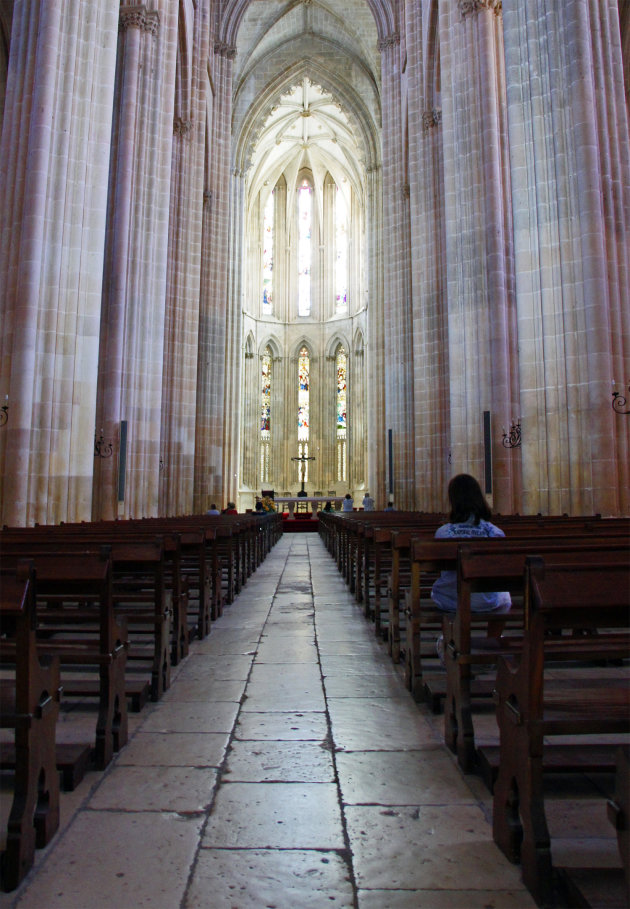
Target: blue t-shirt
<point x="444" y="591"/>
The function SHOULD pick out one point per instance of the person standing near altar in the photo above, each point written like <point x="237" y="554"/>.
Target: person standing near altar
<point x="347" y="503"/>
<point x="368" y="502"/>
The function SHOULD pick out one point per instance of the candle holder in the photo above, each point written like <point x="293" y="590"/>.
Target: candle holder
<point x="512" y="439"/>
<point x="4" y="414"/>
<point x="619" y="402"/>
<point x="102" y="449"/>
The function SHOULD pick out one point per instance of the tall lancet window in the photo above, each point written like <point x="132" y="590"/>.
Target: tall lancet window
<point x="305" y="222"/>
<point x="342" y="420"/>
<point x="267" y="256"/>
<point x="303" y="411"/>
<point x="265" y="417"/>
<point x="341" y="252"/>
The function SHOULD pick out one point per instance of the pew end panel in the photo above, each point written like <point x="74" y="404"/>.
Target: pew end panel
<point x="572" y="613"/>
<point x="29" y="704"/>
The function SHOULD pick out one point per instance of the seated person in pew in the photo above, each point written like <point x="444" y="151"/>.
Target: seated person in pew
<point x="469" y="518"/>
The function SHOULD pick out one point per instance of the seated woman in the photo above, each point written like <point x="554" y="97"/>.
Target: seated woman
<point x="469" y="518"/>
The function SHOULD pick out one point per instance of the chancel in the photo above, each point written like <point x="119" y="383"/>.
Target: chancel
<point x="318" y="248"/>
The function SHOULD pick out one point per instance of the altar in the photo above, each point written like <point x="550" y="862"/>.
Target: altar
<point x="312" y="501"/>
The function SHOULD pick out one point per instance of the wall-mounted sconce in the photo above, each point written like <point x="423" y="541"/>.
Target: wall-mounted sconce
<point x="4" y="411"/>
<point x="512" y="439"/>
<point x="619" y="401"/>
<point x="102" y="449"/>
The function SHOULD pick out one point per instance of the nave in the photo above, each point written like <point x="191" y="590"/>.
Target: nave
<point x="286" y="766"/>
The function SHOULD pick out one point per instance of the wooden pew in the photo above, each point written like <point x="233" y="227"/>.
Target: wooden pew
<point x="29" y="704"/>
<point x="139" y="592"/>
<point x="77" y="623"/>
<point x="618" y="809"/>
<point x="429" y="557"/>
<point x="487" y="566"/>
<point x="590" y="603"/>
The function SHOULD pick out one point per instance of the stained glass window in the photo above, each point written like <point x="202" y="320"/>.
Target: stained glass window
<point x="265" y="416"/>
<point x="341" y="252"/>
<point x="305" y="217"/>
<point x="267" y="256"/>
<point x="303" y="411"/>
<point x="341" y="361"/>
<point x="303" y="395"/>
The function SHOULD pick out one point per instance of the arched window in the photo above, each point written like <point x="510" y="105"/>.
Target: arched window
<point x="341" y="252"/>
<point x="341" y="362"/>
<point x="265" y="417"/>
<point x="303" y="410"/>
<point x="267" y="255"/>
<point x="305" y="224"/>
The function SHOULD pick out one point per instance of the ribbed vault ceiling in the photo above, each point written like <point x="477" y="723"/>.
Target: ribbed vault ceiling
<point x="306" y="82"/>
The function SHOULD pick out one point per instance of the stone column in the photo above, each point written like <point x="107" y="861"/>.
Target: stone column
<point x="374" y="340"/>
<point x="397" y="289"/>
<point x="179" y="381"/>
<point x="134" y="281"/>
<point x="212" y="416"/>
<point x="251" y="406"/>
<point x="430" y="332"/>
<point x="570" y="162"/>
<point x="479" y="258"/>
<point x="278" y="418"/>
<point x="53" y="162"/>
<point x="233" y="439"/>
<point x="360" y="425"/>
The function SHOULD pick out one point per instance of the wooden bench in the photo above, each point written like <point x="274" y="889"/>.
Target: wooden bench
<point x="423" y="621"/>
<point x="78" y="624"/>
<point x="139" y="592"/>
<point x="491" y="566"/>
<point x="29" y="704"/>
<point x="572" y="611"/>
<point x="618" y="809"/>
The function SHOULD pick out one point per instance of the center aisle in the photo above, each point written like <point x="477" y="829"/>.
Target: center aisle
<point x="286" y="767"/>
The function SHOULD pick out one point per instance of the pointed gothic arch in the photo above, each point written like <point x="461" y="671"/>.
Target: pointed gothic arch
<point x="382" y="11"/>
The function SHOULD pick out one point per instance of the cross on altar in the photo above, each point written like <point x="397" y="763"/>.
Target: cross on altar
<point x="303" y="459"/>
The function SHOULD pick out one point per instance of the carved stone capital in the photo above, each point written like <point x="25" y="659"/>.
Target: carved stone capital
<point x="431" y="118"/>
<point x="389" y="41"/>
<point x="147" y="20"/>
<point x="467" y="7"/>
<point x="222" y="49"/>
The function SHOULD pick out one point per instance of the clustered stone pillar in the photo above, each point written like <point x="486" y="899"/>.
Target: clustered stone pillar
<point x="50" y="260"/>
<point x="134" y="286"/>
<point x="479" y="261"/>
<point x="397" y="285"/>
<point x="430" y="330"/>
<point x="179" y="382"/>
<point x="374" y="344"/>
<point x="216" y="425"/>
<point x="568" y="132"/>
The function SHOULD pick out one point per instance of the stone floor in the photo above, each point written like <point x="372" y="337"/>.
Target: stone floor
<point x="286" y="767"/>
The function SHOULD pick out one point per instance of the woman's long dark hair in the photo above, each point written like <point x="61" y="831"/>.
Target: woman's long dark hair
<point x="466" y="499"/>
